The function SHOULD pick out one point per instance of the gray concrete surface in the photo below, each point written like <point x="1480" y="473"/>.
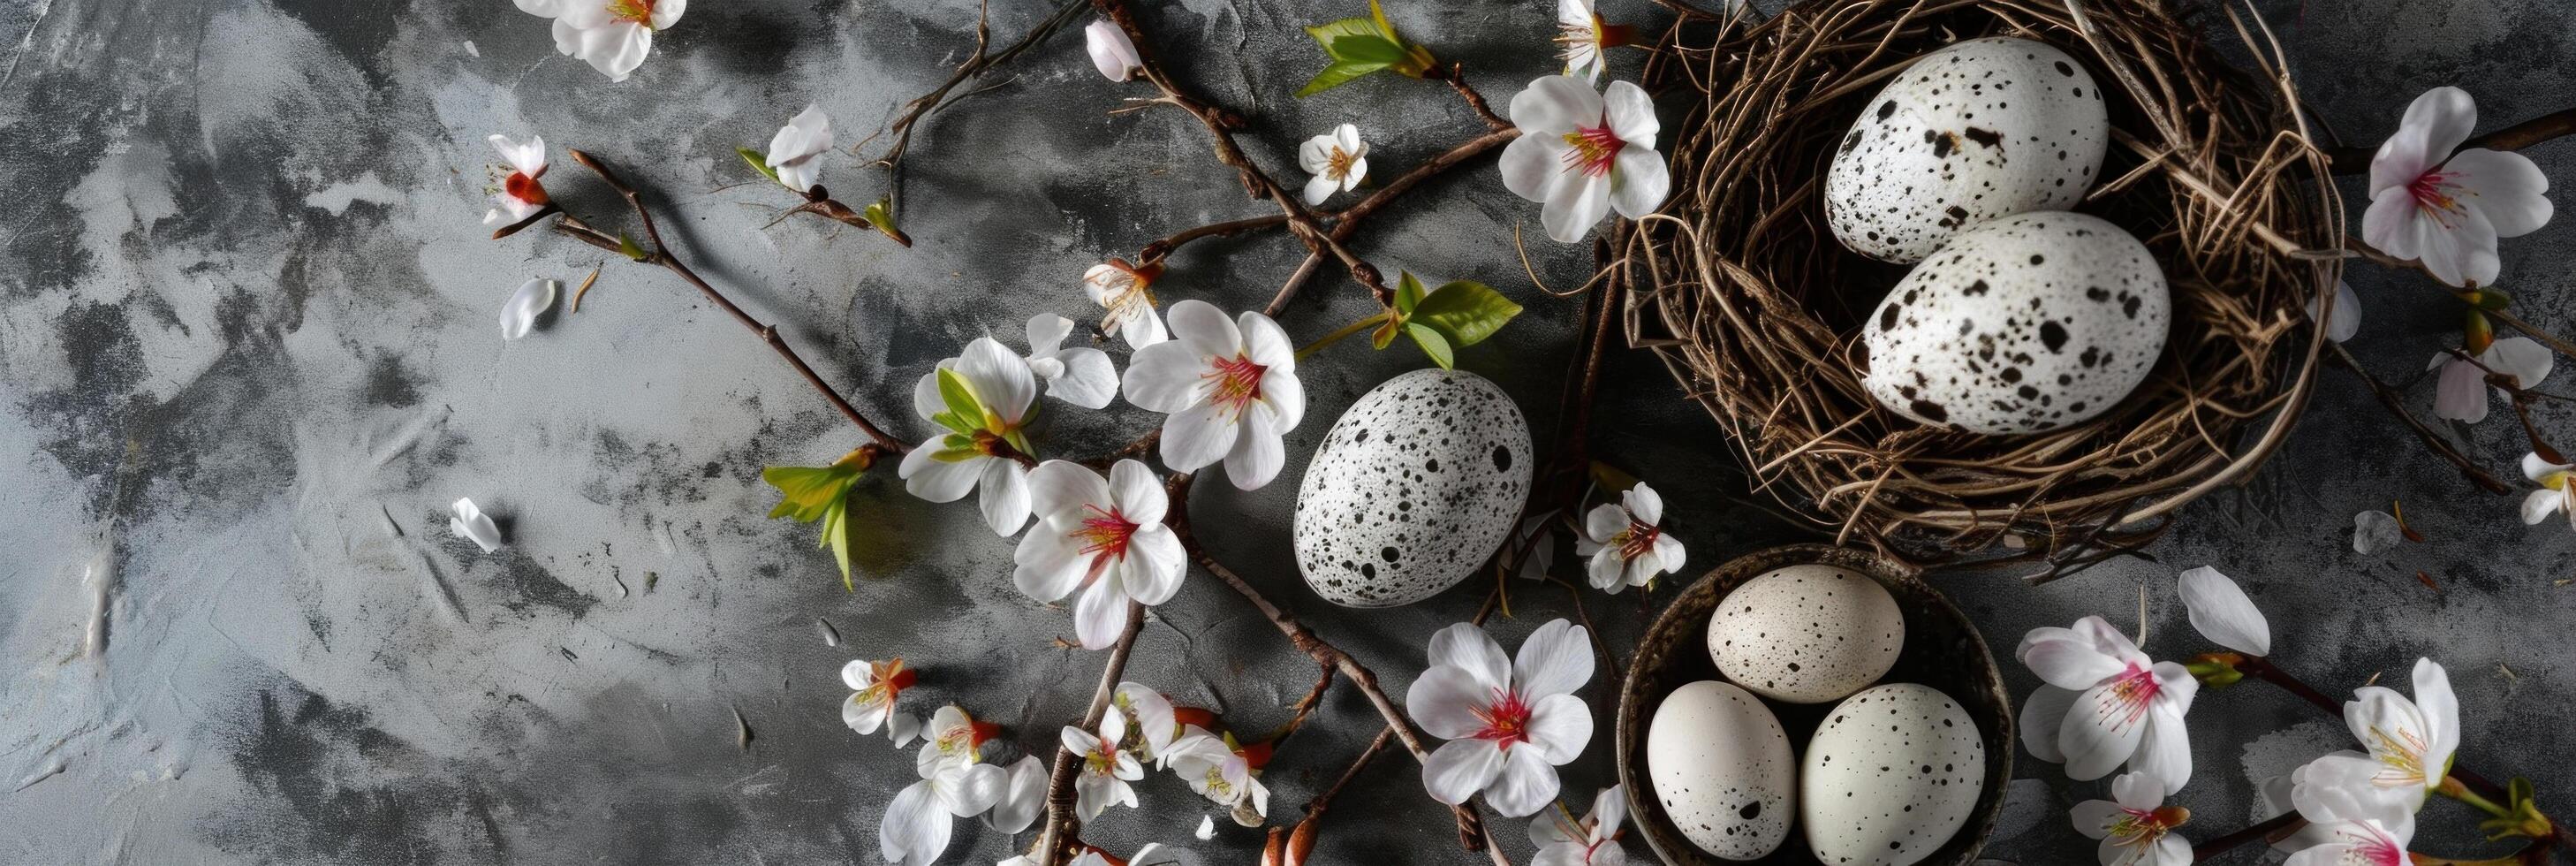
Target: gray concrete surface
<point x="247" y="355"/>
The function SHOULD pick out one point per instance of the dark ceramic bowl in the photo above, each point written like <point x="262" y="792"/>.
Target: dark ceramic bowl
<point x="1942" y="650"/>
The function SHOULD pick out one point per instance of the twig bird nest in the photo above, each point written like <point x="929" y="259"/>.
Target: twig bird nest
<point x="1758" y="310"/>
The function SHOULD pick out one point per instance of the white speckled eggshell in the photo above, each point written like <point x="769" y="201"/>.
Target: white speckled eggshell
<point x="2021" y="325"/>
<point x="1890" y="776"/>
<point x="1720" y="764"/>
<point x="1806" y="634"/>
<point x="1412" y="490"/>
<point x="1980" y="129"/>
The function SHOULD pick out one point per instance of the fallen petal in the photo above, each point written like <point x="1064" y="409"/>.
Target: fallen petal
<point x="519" y="315"/>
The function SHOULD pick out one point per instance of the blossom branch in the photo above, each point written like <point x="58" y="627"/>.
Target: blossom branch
<point x="1471" y="832"/>
<point x="2284" y="822"/>
<point x="2432" y="440"/>
<point x="660" y="254"/>
<point x="1348" y="220"/>
<point x="2356" y="160"/>
<point x="1056" y="840"/>
<point x="983" y="61"/>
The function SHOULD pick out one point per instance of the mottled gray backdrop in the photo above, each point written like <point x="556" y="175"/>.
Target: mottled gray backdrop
<point x="248" y="353"/>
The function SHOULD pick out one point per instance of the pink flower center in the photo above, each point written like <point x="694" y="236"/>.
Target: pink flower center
<point x="1590" y="150"/>
<point x="2432" y="193"/>
<point x="2131" y="693"/>
<point x="2371" y="846"/>
<point x="1506" y="719"/>
<point x="1238" y="383"/>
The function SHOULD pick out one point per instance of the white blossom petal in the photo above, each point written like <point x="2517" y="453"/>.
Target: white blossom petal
<point x="1111" y="51"/>
<point x="1003" y="496"/>
<point x="1555" y="105"/>
<point x="1023" y="797"/>
<point x="2221" y="612"/>
<point x="519" y="314"/>
<point x="1526" y="784"/>
<point x="1444" y="701"/>
<point x="1560" y="726"/>
<point x="1258" y="452"/>
<point x="1460" y="768"/>
<point x="1468" y="648"/>
<point x="469" y="522"/>
<point x="1556" y="659"/>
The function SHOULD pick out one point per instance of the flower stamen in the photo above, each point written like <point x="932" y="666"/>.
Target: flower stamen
<point x="2131" y="693"/>
<point x="1591" y="150"/>
<point x="639" y="12"/>
<point x="1238" y="383"/>
<point x="1506" y="719"/>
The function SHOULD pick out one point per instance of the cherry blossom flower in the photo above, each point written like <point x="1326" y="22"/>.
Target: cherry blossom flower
<point x="1230" y="387"/>
<point x="613" y="36"/>
<point x="955" y="783"/>
<point x="1126" y="291"/>
<point x="795" y="152"/>
<point x="1584" y="154"/>
<point x="469" y="523"/>
<point x="2555" y="495"/>
<point x="952" y="737"/>
<point x="523" y="192"/>
<point x="1627" y="543"/>
<point x="2461" y="394"/>
<point x="2410" y="742"/>
<point x="1104" y="539"/>
<point x="2105" y="703"/>
<point x="1156" y="721"/>
<point x="1106" y="769"/>
<point x="1220" y="773"/>
<point x="2446" y="208"/>
<point x="1111" y="52"/>
<point x="519" y="314"/>
<point x="2346" y="318"/>
<point x="1509" y="726"/>
<point x="2221" y="612"/>
<point x="1080" y="375"/>
<point x="2347" y="826"/>
<point x="1594" y="841"/>
<point x="874" y="686"/>
<point x="999" y="388"/>
<point x="2135" y="826"/>
<point x="1023" y="797"/>
<point x="1581" y="37"/>
<point x="1338" y="160"/>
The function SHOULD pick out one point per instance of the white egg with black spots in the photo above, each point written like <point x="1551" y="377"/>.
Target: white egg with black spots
<point x="1720" y="764"/>
<point x="2025" y="324"/>
<point x="1890" y="776"/>
<point x="1979" y="129"/>
<point x="1413" y="489"/>
<point x="1806" y="634"/>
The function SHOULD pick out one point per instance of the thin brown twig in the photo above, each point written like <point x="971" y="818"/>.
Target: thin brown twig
<point x="1471" y="832"/>
<point x="921" y="106"/>
<point x="1058" y="835"/>
<point x="2433" y="441"/>
<point x="2556" y="124"/>
<point x="660" y="254"/>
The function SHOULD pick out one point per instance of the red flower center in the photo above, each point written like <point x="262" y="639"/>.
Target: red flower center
<point x="1238" y="383"/>
<point x="1637" y="539"/>
<point x="632" y="11"/>
<point x="1104" y="536"/>
<point x="524" y="188"/>
<point x="2131" y="692"/>
<point x="1506" y="719"/>
<point x="1590" y="150"/>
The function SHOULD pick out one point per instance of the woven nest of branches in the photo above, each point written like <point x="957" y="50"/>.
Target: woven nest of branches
<point x="1742" y="289"/>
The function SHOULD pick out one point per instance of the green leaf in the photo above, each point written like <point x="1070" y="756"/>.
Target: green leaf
<point x="840" y="533"/>
<point x="965" y="414"/>
<point x="1325" y="34"/>
<point x="880" y="215"/>
<point x="1365" y="48"/>
<point x="758" y="163"/>
<point x="1465" y="311"/>
<point x="1377" y="14"/>
<point x="809" y="492"/>
<point x="1433" y="344"/>
<point x="1408" y="292"/>
<point x="627" y="246"/>
<point x="1337" y="75"/>
<point x="1385" y="333"/>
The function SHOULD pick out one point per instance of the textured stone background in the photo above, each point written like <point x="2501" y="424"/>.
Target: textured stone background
<point x="247" y="355"/>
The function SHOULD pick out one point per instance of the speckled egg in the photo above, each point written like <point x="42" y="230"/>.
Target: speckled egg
<point x="1977" y="130"/>
<point x="1720" y="764"/>
<point x="2021" y="325"/>
<point x="1412" y="490"/>
<point x="1806" y="634"/>
<point x="1890" y="776"/>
